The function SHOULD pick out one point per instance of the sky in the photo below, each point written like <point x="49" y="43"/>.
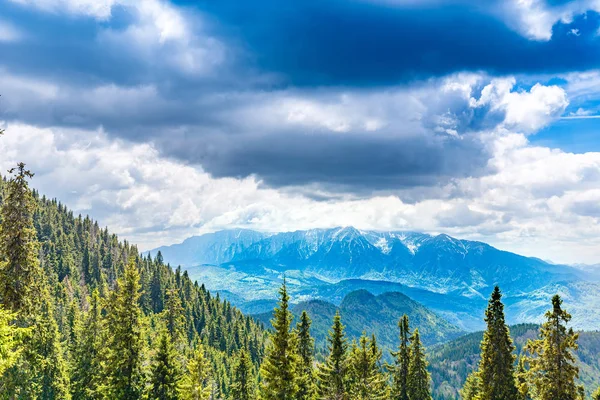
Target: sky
<point x="166" y="119"/>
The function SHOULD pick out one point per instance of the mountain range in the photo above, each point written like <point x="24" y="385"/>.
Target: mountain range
<point x="450" y="276"/>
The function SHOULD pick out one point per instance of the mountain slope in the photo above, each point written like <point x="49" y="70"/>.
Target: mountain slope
<point x="362" y="311"/>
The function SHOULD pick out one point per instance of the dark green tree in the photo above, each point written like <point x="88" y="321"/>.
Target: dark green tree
<point x="165" y="374"/>
<point x="401" y="362"/>
<point x="366" y="381"/>
<point x="243" y="382"/>
<point x="280" y="368"/>
<point x="333" y="374"/>
<point x="552" y="369"/>
<point x="418" y="381"/>
<point x="306" y="346"/>
<point x="496" y="367"/>
<point x="124" y="375"/>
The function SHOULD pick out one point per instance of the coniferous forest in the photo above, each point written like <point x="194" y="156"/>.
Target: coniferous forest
<point x="86" y="316"/>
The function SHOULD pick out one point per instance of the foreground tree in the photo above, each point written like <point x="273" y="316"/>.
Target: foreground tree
<point x="279" y="370"/>
<point x="165" y="370"/>
<point x="401" y="362"/>
<point x="306" y="345"/>
<point x="242" y="386"/>
<point x="418" y="377"/>
<point x="124" y="376"/>
<point x="552" y="369"/>
<point x="496" y="367"/>
<point x="196" y="383"/>
<point x="364" y="372"/>
<point x="471" y="388"/>
<point x="332" y="375"/>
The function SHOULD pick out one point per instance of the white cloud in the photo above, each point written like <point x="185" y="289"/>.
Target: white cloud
<point x="9" y="32"/>
<point x="100" y="9"/>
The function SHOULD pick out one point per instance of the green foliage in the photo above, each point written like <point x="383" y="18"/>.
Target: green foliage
<point x="280" y="368"/>
<point x="496" y="368"/>
<point x="418" y="378"/>
<point x="552" y="369"/>
<point x="242" y="387"/>
<point x="124" y="375"/>
<point x="165" y="370"/>
<point x="364" y="371"/>
<point x="306" y="345"/>
<point x="197" y="383"/>
<point x="333" y="374"/>
<point x="472" y="387"/>
<point x="401" y="362"/>
<point x="10" y="341"/>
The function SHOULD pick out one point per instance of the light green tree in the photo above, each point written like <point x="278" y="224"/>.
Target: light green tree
<point x="333" y="374"/>
<point x="196" y="383"/>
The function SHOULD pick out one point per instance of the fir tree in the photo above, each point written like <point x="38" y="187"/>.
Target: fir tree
<point x="401" y="362"/>
<point x="521" y="380"/>
<point x="552" y="364"/>
<point x="10" y="341"/>
<point x="279" y="370"/>
<point x="306" y="345"/>
<point x="332" y="375"/>
<point x="418" y="377"/>
<point x="86" y="364"/>
<point x="242" y="385"/>
<point x="19" y="265"/>
<point x="124" y="377"/>
<point x="496" y="368"/>
<point x="174" y="316"/>
<point x="365" y="377"/>
<point x="196" y="383"/>
<point x="165" y="370"/>
<point x="470" y="390"/>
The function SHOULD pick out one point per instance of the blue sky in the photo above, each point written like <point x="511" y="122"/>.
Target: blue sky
<point x="166" y="119"/>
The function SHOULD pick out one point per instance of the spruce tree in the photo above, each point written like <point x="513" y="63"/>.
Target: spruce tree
<point x="521" y="380"/>
<point x="242" y="385"/>
<point x="11" y="345"/>
<point x="418" y="377"/>
<point x="196" y="383"/>
<point x="20" y="273"/>
<point x="364" y="373"/>
<point x="332" y="375"/>
<point x="496" y="367"/>
<point x="306" y="345"/>
<point x="552" y="364"/>
<point x="174" y="316"/>
<point x="280" y="368"/>
<point x="86" y="364"/>
<point x="124" y="376"/>
<point x="165" y="374"/>
<point x="401" y="362"/>
<point x="470" y="390"/>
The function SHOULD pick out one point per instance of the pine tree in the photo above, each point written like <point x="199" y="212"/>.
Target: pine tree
<point x="401" y="362"/>
<point x="11" y="345"/>
<point x="496" y="368"/>
<point x="418" y="377"/>
<point x="364" y="374"/>
<point x="86" y="364"/>
<point x="306" y="345"/>
<point x="470" y="390"/>
<point x="174" y="316"/>
<point x="165" y="370"/>
<point x="196" y="383"/>
<point x="19" y="265"/>
<point x="332" y="375"/>
<point x="242" y="385"/>
<point x="124" y="377"/>
<point x="279" y="369"/>
<point x="552" y="364"/>
<point x="521" y="380"/>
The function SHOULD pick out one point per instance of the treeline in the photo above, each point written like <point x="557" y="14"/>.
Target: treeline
<point x="84" y="316"/>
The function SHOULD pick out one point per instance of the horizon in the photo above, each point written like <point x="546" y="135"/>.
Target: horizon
<point x="163" y="119"/>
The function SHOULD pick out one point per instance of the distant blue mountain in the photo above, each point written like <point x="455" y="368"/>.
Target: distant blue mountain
<point x="451" y="276"/>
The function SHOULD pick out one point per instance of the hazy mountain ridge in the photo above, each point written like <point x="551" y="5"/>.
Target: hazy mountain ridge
<point x="453" y="277"/>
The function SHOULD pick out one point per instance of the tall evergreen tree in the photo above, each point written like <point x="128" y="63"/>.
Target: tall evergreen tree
<point x="279" y="370"/>
<point x="306" y="345"/>
<point x="364" y="372"/>
<point x="332" y="375"/>
<point x="124" y="376"/>
<point x="496" y="367"/>
<point x="20" y="273"/>
<point x="418" y="377"/>
<point x="196" y="383"/>
<point x="165" y="370"/>
<point x="401" y="362"/>
<point x="11" y="345"/>
<point x="242" y="385"/>
<point x="174" y="316"/>
<point x="552" y="364"/>
<point x="471" y="388"/>
<point x="86" y="363"/>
